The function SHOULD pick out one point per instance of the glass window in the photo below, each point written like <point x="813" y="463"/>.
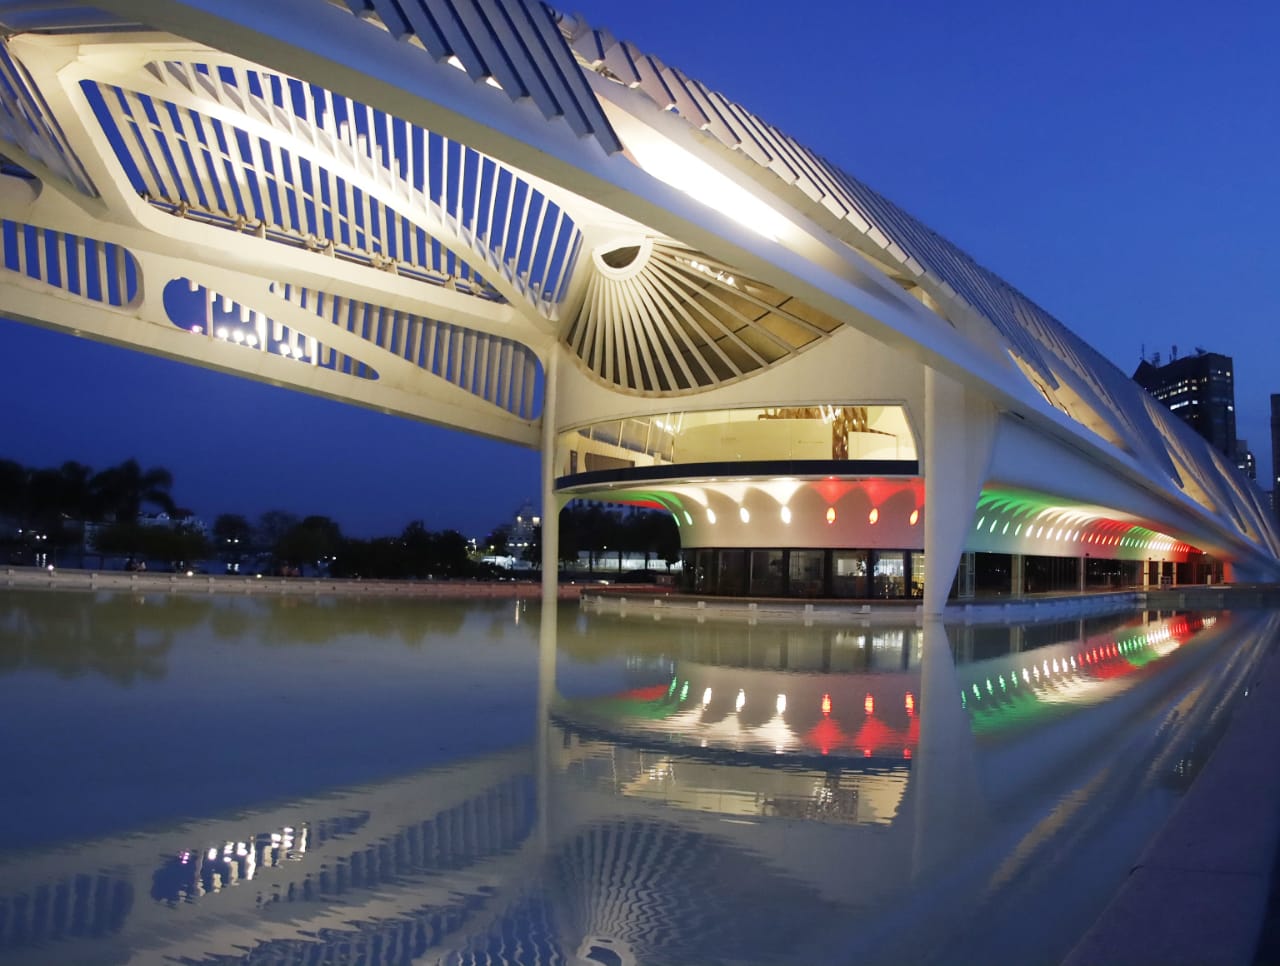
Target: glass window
<point x="733" y="573"/>
<point x="917" y="575"/>
<point x="890" y="573"/>
<point x="767" y="573"/>
<point x="849" y="572"/>
<point x="806" y="573"/>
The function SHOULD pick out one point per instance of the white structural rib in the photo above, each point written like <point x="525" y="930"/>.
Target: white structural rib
<point x="658" y="317"/>
<point x="242" y="147"/>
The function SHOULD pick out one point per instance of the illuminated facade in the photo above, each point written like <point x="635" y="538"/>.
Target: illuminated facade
<point x="493" y="218"/>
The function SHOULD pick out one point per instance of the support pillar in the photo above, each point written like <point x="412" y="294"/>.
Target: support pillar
<point x="550" y="597"/>
<point x="959" y="438"/>
<point x="1017" y="575"/>
<point x="1080" y="562"/>
<point x="550" y="502"/>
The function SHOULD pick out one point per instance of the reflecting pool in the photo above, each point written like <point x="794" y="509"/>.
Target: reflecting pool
<point x="241" y="780"/>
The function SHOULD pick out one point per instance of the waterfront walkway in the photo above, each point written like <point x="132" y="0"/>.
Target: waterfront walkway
<point x="33" y="578"/>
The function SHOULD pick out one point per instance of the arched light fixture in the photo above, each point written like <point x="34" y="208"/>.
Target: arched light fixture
<point x="914" y="518"/>
<point x="873" y="516"/>
<point x="711" y="515"/>
<point x="785" y="513"/>
<point x="831" y="514"/>
<point x="744" y="514"/>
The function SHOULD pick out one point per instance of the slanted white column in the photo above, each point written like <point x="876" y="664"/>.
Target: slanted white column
<point x="550" y="502"/>
<point x="959" y="438"/>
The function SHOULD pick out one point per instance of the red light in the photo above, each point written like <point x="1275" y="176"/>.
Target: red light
<point x="826" y="704"/>
<point x="866" y="752"/>
<point x="910" y="702"/>
<point x="906" y="752"/>
<point x="869" y="705"/>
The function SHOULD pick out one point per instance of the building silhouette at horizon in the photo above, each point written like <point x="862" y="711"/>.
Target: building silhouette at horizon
<point x="1200" y="390"/>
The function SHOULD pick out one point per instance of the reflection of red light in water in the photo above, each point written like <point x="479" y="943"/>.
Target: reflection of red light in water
<point x="825" y="735"/>
<point x="826" y="704"/>
<point x="906" y="752"/>
<point x="869" y="705"/>
<point x="874" y="733"/>
<point x="647" y="694"/>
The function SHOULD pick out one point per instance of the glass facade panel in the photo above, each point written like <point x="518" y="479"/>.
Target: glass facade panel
<point x="917" y="575"/>
<point x="733" y="573"/>
<point x="1044" y="575"/>
<point x="767" y="573"/>
<point x="992" y="574"/>
<point x="805" y="573"/>
<point x="890" y="574"/>
<point x="850" y="570"/>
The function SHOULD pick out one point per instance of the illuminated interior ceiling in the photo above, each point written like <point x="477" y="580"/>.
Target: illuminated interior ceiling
<point x="827" y="433"/>
<point x="658" y="318"/>
<point x="1008" y="518"/>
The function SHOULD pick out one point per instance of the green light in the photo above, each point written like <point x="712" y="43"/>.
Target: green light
<point x="1003" y="687"/>
<point x="976" y="692"/>
<point x="684" y="691"/>
<point x="990" y="689"/>
<point x="671" y="690"/>
<point x="1006" y="528"/>
<point x="981" y="521"/>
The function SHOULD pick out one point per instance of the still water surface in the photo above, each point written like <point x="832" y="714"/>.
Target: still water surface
<point x="248" y="780"/>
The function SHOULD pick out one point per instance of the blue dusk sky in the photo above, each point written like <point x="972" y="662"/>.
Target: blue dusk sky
<point x="1115" y="162"/>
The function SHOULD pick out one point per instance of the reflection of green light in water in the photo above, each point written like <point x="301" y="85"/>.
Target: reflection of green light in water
<point x="684" y="691"/>
<point x="671" y="690"/>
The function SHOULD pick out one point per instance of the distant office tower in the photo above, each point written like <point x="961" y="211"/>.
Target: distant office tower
<point x="1200" y="389"/>
<point x="1275" y="454"/>
<point x="1246" y="463"/>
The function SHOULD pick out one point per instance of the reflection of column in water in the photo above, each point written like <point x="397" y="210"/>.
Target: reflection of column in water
<point x="546" y="692"/>
<point x="947" y="801"/>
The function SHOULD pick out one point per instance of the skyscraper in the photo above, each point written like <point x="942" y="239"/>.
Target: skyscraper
<point x="1246" y="462"/>
<point x="1200" y="390"/>
<point x="1274" y="486"/>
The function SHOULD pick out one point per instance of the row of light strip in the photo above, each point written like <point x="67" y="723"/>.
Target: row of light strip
<point x="785" y="515"/>
<point x="1063" y="533"/>
<point x="1043" y="672"/>
<point x="780" y="702"/>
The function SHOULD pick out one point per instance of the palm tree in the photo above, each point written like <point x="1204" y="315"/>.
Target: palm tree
<point x="121" y="490"/>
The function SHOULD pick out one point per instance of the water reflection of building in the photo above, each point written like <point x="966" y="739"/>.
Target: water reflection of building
<point x="651" y="824"/>
<point x="374" y="855"/>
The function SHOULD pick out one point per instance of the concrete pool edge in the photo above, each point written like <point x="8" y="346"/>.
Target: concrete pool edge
<point x="1200" y="892"/>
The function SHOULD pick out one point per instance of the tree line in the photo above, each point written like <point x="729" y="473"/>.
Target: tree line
<point x="72" y="508"/>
